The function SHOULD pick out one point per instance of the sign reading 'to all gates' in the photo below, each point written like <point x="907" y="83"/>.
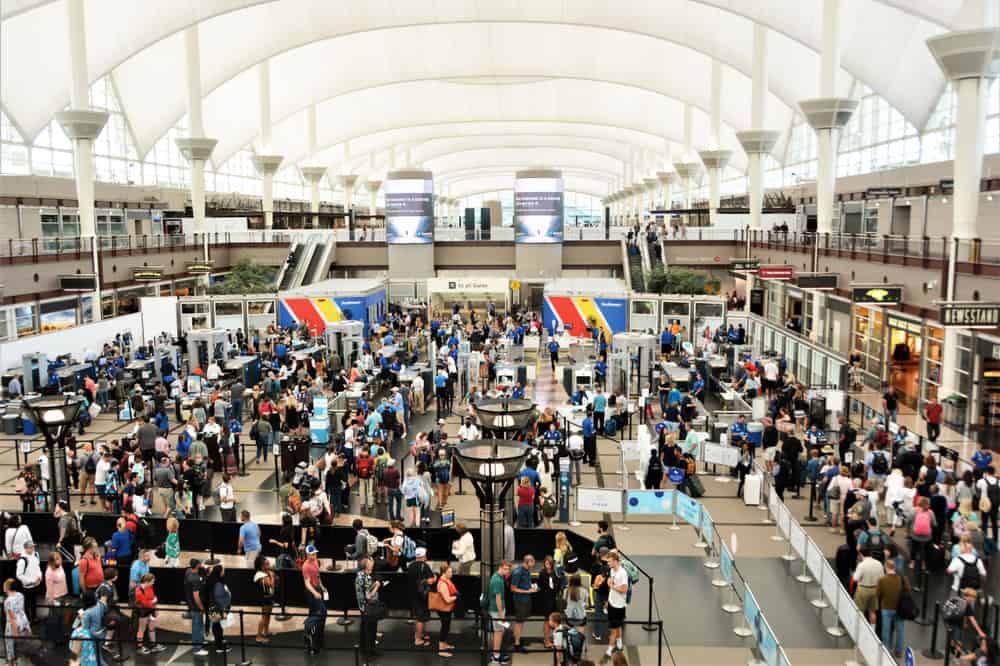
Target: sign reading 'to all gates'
<point x="776" y="272"/>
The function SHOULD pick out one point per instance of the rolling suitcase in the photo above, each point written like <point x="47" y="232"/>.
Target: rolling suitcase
<point x="752" y="485"/>
<point x="695" y="487"/>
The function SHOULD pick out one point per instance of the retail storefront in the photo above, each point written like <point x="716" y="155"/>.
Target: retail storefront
<point x="815" y="365"/>
<point x="899" y="350"/>
<point x="977" y="383"/>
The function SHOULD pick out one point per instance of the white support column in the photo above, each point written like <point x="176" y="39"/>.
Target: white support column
<point x="373" y="187"/>
<point x="715" y="159"/>
<point x="83" y="125"/>
<point x="827" y="115"/>
<point x="969" y="59"/>
<point x="196" y="148"/>
<point x="266" y="163"/>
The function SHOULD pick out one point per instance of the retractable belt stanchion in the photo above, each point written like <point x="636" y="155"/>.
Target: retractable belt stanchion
<point x="804" y="576"/>
<point x="932" y="651"/>
<point x="810" y="518"/>
<point x="835" y="629"/>
<point x="820" y="602"/>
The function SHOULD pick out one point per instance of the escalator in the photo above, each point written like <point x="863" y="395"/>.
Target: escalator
<point x="319" y="265"/>
<point x="635" y="268"/>
<point x="286" y="276"/>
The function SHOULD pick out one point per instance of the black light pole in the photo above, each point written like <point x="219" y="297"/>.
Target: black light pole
<point x="54" y="415"/>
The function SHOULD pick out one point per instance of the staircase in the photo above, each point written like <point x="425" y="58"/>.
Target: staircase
<point x="635" y="268"/>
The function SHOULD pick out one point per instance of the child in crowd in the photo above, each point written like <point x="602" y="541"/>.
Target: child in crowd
<point x="145" y="602"/>
<point x="172" y="546"/>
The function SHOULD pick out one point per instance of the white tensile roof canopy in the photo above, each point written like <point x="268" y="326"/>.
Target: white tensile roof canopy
<point x="470" y="84"/>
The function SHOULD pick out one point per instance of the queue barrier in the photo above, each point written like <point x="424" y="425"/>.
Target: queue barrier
<point x="217" y="537"/>
<point x="754" y="623"/>
<point x="847" y="619"/>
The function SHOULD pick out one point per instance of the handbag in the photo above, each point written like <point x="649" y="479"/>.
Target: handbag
<point x="436" y="602"/>
<point x="375" y="609"/>
<point x="907" y="609"/>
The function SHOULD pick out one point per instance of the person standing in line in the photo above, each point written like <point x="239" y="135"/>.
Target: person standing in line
<point x="890" y="406"/>
<point x="194" y="589"/>
<point x="145" y="602"/>
<point x="523" y="588"/>
<point x="449" y="595"/>
<point x="618" y="584"/>
<point x="249" y="541"/>
<point x="220" y="603"/>
<point x="29" y="575"/>
<point x="989" y="502"/>
<point x="463" y="549"/>
<point x="266" y="583"/>
<point x="227" y="499"/>
<point x="888" y="591"/>
<point x="589" y="432"/>
<point x="866" y="576"/>
<point x="366" y="590"/>
<point x="316" y="598"/>
<point x="497" y="609"/>
<point x="422" y="580"/>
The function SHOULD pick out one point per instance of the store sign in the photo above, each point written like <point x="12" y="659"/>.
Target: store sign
<point x="970" y="315"/>
<point x="883" y="191"/>
<point x="147" y="274"/>
<point x="946" y="185"/>
<point x="816" y="281"/>
<point x="776" y="272"/>
<point x="85" y="282"/>
<point x="881" y="294"/>
<point x="747" y="265"/>
<point x="199" y="267"/>
<point x="464" y="285"/>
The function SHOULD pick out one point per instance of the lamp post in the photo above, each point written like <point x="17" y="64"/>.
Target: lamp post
<point x="54" y="415"/>
<point x="504" y="417"/>
<point x="491" y="465"/>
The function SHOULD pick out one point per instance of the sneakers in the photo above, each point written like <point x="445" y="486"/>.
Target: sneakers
<point x="159" y="647"/>
<point x="145" y="650"/>
<point x="201" y="652"/>
<point x="500" y="659"/>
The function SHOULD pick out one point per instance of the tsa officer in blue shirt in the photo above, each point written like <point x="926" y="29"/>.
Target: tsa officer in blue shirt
<point x="553" y="347"/>
<point x="739" y="429"/>
<point x="600" y="371"/>
<point x="589" y="440"/>
<point x="666" y="341"/>
<point x="518" y="392"/>
<point x="698" y="387"/>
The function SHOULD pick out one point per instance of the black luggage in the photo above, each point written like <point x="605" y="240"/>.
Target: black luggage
<point x="695" y="486"/>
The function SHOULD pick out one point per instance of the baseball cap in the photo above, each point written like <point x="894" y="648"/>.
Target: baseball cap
<point x="421" y="552"/>
<point x="63" y="504"/>
<point x="603" y="551"/>
<point x="311" y="550"/>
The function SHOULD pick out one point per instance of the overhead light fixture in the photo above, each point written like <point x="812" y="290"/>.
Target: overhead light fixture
<point x="989" y="197"/>
<point x="944" y="200"/>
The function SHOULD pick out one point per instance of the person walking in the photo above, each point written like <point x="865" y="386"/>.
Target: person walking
<point x="497" y="609"/>
<point x="29" y="575"/>
<point x="366" y="590"/>
<point x="220" y="603"/>
<point x="933" y="411"/>
<point x="553" y="348"/>
<point x="889" y="591"/>
<point x="618" y="584"/>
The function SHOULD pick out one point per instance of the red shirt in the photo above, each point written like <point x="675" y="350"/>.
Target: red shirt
<point x="525" y="495"/>
<point x="91" y="572"/>
<point x="145" y="597"/>
<point x="933" y="413"/>
<point x="310" y="572"/>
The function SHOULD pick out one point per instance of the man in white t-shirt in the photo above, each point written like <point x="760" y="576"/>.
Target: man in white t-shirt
<point x="417" y="387"/>
<point x="575" y="446"/>
<point x="227" y="499"/>
<point x="468" y="430"/>
<point x="617" y="602"/>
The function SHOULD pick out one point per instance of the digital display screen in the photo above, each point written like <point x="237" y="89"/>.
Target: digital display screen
<point x="538" y="208"/>
<point x="409" y="209"/>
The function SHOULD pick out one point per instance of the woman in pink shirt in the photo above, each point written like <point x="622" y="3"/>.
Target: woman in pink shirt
<point x="55" y="579"/>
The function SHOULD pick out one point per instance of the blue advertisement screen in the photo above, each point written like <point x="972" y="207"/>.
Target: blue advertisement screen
<point x="409" y="211"/>
<point x="538" y="210"/>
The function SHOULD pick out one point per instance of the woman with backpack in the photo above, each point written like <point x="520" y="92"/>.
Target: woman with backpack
<point x="921" y="527"/>
<point x="966" y="568"/>
<point x="219" y="602"/>
<point x="442" y="477"/>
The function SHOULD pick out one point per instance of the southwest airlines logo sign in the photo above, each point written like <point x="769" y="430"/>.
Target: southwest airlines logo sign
<point x="577" y="313"/>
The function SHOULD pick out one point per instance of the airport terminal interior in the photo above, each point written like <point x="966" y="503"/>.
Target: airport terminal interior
<point x="649" y="333"/>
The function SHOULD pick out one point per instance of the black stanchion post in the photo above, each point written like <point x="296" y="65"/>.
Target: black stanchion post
<point x="277" y="474"/>
<point x="649" y="626"/>
<point x="243" y="457"/>
<point x="243" y="645"/>
<point x="932" y="652"/>
<point x="811" y="518"/>
<point x="283" y="615"/>
<point x="659" y="645"/>
<point x="923" y="620"/>
<point x="947" y="646"/>
<point x="357" y="655"/>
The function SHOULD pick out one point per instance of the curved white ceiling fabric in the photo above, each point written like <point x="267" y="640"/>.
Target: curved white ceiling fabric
<point x="379" y="66"/>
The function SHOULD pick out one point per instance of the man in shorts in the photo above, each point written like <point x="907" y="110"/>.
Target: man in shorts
<point x="867" y="575"/>
<point x="496" y="608"/>
<point x="522" y="587"/>
<point x="617" y="602"/>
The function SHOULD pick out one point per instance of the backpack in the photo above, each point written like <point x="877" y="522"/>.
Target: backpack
<point x="111" y="483"/>
<point x="574" y="645"/>
<point x="549" y="506"/>
<point x="879" y="463"/>
<point x="371" y="544"/>
<point x="631" y="570"/>
<point x="72" y="536"/>
<point x="953" y="611"/>
<point x="993" y="493"/>
<point x="364" y="465"/>
<point x="90" y="467"/>
<point x="833" y="490"/>
<point x="610" y="428"/>
<point x="75" y="580"/>
<point x="409" y="550"/>
<point x="970" y="575"/>
<point x="922" y="524"/>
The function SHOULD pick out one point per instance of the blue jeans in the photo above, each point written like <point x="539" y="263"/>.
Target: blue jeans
<point x="238" y="410"/>
<point x="197" y="629"/>
<point x="890" y="620"/>
<point x="263" y="444"/>
<point x="395" y="504"/>
<point x="600" y="615"/>
<point x="526" y="516"/>
<point x="102" y="398"/>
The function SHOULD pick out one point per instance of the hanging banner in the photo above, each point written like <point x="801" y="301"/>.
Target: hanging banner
<point x="882" y="294"/>
<point x="726" y="564"/>
<point x="783" y="272"/>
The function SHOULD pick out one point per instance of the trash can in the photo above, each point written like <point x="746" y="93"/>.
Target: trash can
<point x="955" y="407"/>
<point x="10" y="424"/>
<point x="28" y="427"/>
